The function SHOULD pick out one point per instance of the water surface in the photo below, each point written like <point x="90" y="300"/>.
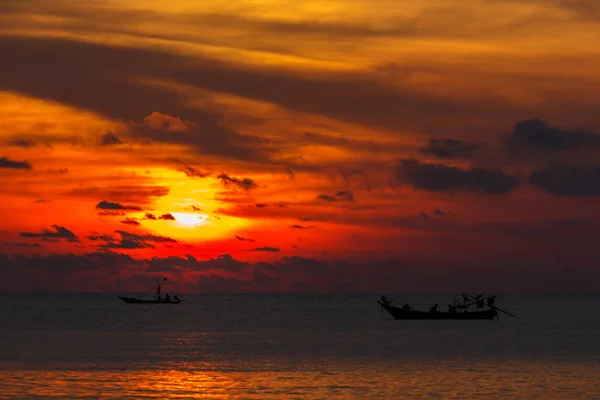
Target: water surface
<point x="294" y="346"/>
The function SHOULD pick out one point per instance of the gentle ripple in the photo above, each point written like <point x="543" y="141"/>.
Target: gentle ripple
<point x="294" y="347"/>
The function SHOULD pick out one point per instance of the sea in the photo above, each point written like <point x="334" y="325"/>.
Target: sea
<point x="294" y="346"/>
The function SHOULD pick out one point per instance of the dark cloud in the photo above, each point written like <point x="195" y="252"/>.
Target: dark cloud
<point x="100" y="236"/>
<point x="449" y="148"/>
<point x="140" y="194"/>
<point x="302" y="227"/>
<point x="193" y="172"/>
<point x="566" y="180"/>
<point x="351" y="144"/>
<point x="149" y="216"/>
<point x="440" y="213"/>
<point x="109" y="139"/>
<point x="326" y="197"/>
<point x="564" y="221"/>
<point x="109" y="205"/>
<point x="261" y="205"/>
<point x="131" y="241"/>
<point x="40" y="201"/>
<point x="290" y="173"/>
<point x="351" y="96"/>
<point x="439" y="177"/>
<point x="343" y="195"/>
<point x="169" y="217"/>
<point x="130" y="221"/>
<point x="536" y="134"/>
<point x="193" y="208"/>
<point x="5" y="162"/>
<point x="21" y="244"/>
<point x="21" y="142"/>
<point x="244" y="239"/>
<point x="242" y="183"/>
<point x="109" y="213"/>
<point x="56" y="232"/>
<point x="267" y="249"/>
<point x="312" y="219"/>
<point x="101" y="271"/>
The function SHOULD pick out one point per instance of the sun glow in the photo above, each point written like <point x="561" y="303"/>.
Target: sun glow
<point x="189" y="219"/>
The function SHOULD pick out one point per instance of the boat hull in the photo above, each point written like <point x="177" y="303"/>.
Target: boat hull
<point x="133" y="300"/>
<point x="399" y="313"/>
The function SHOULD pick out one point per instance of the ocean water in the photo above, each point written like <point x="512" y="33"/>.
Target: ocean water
<point x="262" y="346"/>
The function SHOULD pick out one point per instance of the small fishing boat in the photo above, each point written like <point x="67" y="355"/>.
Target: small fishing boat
<point x="157" y="300"/>
<point x="133" y="300"/>
<point x="475" y="307"/>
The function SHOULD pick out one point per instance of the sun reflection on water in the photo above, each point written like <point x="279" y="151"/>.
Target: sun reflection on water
<point x="310" y="380"/>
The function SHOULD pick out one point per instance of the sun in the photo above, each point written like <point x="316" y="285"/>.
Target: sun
<point x="189" y="219"/>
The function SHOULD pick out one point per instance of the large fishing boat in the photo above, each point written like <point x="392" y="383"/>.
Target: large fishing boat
<point x="472" y="307"/>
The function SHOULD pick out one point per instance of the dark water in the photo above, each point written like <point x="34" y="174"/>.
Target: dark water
<point x="294" y="346"/>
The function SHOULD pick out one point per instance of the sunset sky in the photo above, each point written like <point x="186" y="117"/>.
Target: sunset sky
<point x="300" y="146"/>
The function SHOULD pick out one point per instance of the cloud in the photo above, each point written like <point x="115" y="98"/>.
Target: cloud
<point x="267" y="249"/>
<point x="301" y="227"/>
<point x="439" y="177"/>
<point x="104" y="270"/>
<point x="130" y="221"/>
<point x="290" y="173"/>
<point x="109" y="213"/>
<point x="149" y="216"/>
<point x="130" y="241"/>
<point x="109" y="139"/>
<point x="566" y="180"/>
<point x="343" y="195"/>
<point x="244" y="239"/>
<point x="41" y="201"/>
<point x="109" y="205"/>
<point x="345" y="96"/>
<point x="261" y="205"/>
<point x="56" y="232"/>
<point x="169" y="217"/>
<point x="140" y="194"/>
<point x="439" y="213"/>
<point x="193" y="208"/>
<point x="536" y="134"/>
<point x="99" y="236"/>
<point x="21" y="142"/>
<point x="449" y="148"/>
<point x="21" y="244"/>
<point x="243" y="183"/>
<point x="5" y="162"/>
<point x="193" y="172"/>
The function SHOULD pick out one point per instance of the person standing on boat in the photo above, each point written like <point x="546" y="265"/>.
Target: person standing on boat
<point x="167" y="298"/>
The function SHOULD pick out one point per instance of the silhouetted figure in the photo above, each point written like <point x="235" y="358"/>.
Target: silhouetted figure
<point x="158" y="291"/>
<point x="434" y="308"/>
<point x="451" y="308"/>
<point x="176" y="298"/>
<point x="167" y="298"/>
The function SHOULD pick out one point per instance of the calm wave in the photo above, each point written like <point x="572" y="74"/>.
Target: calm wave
<point x="294" y="346"/>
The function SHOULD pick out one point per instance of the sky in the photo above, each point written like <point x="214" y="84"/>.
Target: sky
<point x="377" y="146"/>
